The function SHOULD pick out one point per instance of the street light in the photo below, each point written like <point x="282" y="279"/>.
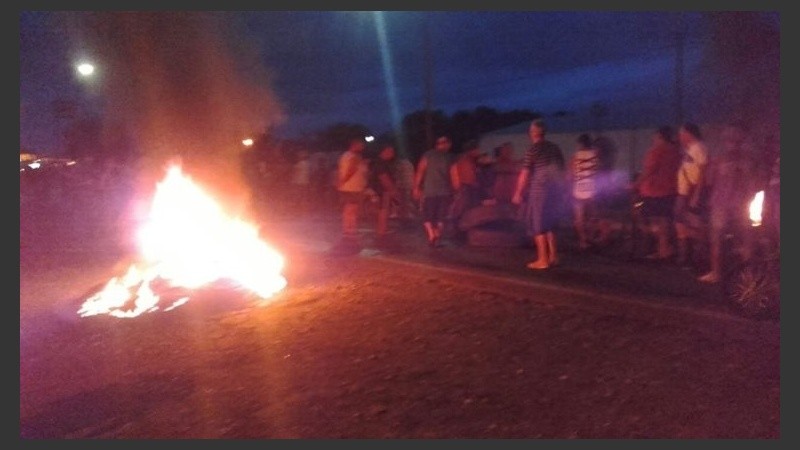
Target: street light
<point x="428" y="67"/>
<point x="85" y="69"/>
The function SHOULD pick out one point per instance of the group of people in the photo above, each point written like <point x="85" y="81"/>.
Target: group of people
<point x="388" y="178"/>
<point x="699" y="198"/>
<point x="686" y="196"/>
<point x="440" y="188"/>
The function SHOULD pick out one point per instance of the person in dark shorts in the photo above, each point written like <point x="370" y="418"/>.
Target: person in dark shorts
<point x="385" y="186"/>
<point x="657" y="187"/>
<point x="434" y="183"/>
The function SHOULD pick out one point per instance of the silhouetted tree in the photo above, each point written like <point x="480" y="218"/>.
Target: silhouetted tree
<point x="470" y="125"/>
<point x="414" y="129"/>
<point x="336" y="137"/>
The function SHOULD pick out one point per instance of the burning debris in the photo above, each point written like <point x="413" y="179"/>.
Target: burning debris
<point x="188" y="242"/>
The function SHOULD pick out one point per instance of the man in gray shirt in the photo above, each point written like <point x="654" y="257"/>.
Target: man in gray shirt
<point x="434" y="183"/>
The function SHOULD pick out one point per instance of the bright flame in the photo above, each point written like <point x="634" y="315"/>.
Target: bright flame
<point x="755" y="208"/>
<point x="189" y="242"/>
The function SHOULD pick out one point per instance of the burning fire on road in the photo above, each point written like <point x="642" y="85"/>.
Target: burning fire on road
<point x="755" y="209"/>
<point x="188" y="242"/>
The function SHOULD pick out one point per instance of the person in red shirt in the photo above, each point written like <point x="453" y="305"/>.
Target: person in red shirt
<point x="657" y="187"/>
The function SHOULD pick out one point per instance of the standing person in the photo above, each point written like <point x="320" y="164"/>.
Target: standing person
<point x="543" y="175"/>
<point x="657" y="187"/>
<point x="404" y="178"/>
<point x="301" y="181"/>
<point x="434" y="183"/>
<point x="772" y="199"/>
<point x="352" y="180"/>
<point x="732" y="182"/>
<point x="582" y="176"/>
<point x="691" y="181"/>
<point x="467" y="195"/>
<point x="506" y="171"/>
<point x="486" y="180"/>
<point x="385" y="186"/>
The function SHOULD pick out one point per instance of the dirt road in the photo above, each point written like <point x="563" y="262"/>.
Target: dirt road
<point x="364" y="348"/>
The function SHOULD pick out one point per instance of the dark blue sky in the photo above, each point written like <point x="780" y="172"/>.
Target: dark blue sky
<point x="328" y="67"/>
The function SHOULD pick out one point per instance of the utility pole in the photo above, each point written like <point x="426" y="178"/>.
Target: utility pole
<point x="679" y="47"/>
<point x="428" y="68"/>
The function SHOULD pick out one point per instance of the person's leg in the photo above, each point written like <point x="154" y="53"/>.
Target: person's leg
<point x="438" y="230"/>
<point x="350" y="219"/>
<point x="715" y="257"/>
<point x="748" y="240"/>
<point x="429" y="215"/>
<point x="681" y="230"/>
<point x="542" y="258"/>
<point x="579" y="221"/>
<point x="661" y="232"/>
<point x="536" y="218"/>
<point x="552" y="249"/>
<point x="443" y="206"/>
<point x="382" y="227"/>
<point x="431" y="232"/>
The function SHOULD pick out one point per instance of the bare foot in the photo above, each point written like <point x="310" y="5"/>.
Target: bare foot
<point x="710" y="277"/>
<point x="537" y="265"/>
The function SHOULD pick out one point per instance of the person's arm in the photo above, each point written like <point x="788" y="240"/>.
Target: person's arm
<point x="694" y="201"/>
<point x="418" y="176"/>
<point x="522" y="180"/>
<point x="351" y="169"/>
<point x="570" y="172"/>
<point x="648" y="168"/>
<point x="701" y="159"/>
<point x="455" y="179"/>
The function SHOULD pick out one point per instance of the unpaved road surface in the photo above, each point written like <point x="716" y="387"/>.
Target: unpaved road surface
<point x="360" y="347"/>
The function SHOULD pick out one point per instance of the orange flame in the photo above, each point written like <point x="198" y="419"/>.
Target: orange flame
<point x="189" y="242"/>
<point x="756" y="205"/>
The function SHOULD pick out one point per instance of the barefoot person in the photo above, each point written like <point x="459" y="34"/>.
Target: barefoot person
<point x="435" y="181"/>
<point x="542" y="175"/>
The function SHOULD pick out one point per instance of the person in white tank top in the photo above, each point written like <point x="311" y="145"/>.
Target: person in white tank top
<point x="582" y="175"/>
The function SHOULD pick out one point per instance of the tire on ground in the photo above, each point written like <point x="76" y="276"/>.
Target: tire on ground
<point x="486" y="214"/>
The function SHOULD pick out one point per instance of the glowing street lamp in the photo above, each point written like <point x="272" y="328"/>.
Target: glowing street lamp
<point x="369" y="138"/>
<point x="85" y="69"/>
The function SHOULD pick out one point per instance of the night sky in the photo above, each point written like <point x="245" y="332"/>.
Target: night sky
<point x="369" y="68"/>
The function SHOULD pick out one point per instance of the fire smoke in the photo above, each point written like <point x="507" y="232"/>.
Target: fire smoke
<point x="186" y="87"/>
